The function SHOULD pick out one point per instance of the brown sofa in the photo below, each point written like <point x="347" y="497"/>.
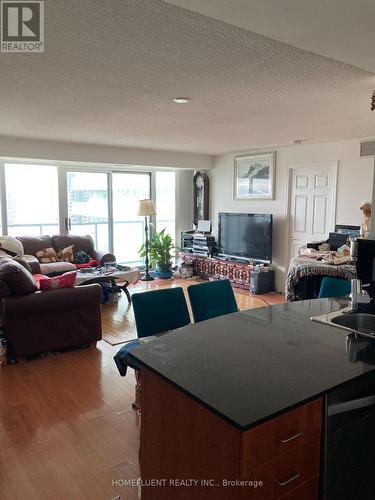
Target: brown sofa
<point x="35" y="322"/>
<point x="33" y="244"/>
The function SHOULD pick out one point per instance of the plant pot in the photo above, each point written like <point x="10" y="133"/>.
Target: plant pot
<point x="164" y="271"/>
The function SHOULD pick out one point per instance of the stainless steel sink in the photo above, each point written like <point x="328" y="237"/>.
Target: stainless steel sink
<point x="359" y="323"/>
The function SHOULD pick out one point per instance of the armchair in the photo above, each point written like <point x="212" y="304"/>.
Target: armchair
<point x="35" y="322"/>
<point x="48" y="321"/>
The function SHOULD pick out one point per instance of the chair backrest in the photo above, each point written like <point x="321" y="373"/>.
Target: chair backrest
<point x="334" y="287"/>
<point x="158" y="311"/>
<point x="212" y="299"/>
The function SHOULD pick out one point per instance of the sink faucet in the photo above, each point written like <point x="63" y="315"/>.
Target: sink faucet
<point x="358" y="295"/>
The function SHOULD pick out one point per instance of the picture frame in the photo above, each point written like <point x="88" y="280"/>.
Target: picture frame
<point x="254" y="176"/>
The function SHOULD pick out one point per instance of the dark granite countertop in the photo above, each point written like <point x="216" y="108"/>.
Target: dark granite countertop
<point x="250" y="366"/>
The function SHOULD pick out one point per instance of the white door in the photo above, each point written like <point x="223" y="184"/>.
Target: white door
<point x="312" y="203"/>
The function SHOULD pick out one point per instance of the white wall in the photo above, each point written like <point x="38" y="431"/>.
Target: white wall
<point x="13" y="147"/>
<point x="355" y="178"/>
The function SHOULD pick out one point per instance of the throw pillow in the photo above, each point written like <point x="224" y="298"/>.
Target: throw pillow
<point x="37" y="278"/>
<point x="47" y="255"/>
<point x="11" y="246"/>
<point x="66" y="254"/>
<point x="18" y="279"/>
<point x="81" y="257"/>
<point x="66" y="280"/>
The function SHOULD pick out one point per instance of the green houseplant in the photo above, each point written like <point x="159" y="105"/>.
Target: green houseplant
<point x="160" y="249"/>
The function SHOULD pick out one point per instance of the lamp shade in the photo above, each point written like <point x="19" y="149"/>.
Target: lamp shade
<point x="146" y="207"/>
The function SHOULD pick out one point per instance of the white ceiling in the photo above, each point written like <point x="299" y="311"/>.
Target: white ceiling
<point x="111" y="69"/>
<point x="339" y="29"/>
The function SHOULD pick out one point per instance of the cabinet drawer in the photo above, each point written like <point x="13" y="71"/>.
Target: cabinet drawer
<point x="279" y="435"/>
<point x="307" y="491"/>
<point x="288" y="472"/>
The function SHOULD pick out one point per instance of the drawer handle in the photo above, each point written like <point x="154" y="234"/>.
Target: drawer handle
<point x="291" y="438"/>
<point x="289" y="480"/>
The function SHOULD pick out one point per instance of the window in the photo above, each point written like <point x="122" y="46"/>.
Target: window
<point x="32" y="201"/>
<point x="88" y="206"/>
<point x="128" y="228"/>
<point x="100" y="202"/>
<point x="166" y="202"/>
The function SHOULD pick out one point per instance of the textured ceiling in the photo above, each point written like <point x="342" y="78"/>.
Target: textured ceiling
<point x="340" y="29"/>
<point x="111" y="68"/>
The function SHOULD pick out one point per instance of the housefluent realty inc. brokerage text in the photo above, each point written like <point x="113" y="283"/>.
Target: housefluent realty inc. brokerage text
<point x="187" y="483"/>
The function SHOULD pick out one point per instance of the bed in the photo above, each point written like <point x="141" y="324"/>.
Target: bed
<point x="305" y="275"/>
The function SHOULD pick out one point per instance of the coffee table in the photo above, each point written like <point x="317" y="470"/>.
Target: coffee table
<point x="114" y="277"/>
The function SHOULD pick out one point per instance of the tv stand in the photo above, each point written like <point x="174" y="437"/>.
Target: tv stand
<point x="236" y="260"/>
<point x="241" y="275"/>
<point x="212" y="267"/>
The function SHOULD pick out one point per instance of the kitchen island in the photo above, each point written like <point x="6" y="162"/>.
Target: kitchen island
<point x="235" y="407"/>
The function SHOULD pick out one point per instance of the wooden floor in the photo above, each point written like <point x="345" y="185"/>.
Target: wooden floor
<point x="67" y="430"/>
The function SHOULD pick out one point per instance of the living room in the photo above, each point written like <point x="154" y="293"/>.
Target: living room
<point x="124" y="119"/>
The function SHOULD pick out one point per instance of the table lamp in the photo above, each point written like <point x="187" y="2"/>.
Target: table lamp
<point x="145" y="209"/>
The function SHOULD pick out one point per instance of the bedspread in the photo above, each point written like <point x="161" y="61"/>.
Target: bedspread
<point x="301" y="267"/>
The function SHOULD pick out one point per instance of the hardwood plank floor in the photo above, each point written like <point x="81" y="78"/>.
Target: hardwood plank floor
<point x="67" y="429"/>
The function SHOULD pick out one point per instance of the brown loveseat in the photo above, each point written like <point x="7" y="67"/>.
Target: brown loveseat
<point x="36" y="322"/>
<point x="33" y="244"/>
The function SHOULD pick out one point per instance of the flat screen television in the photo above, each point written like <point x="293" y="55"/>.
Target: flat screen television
<point x="245" y="236"/>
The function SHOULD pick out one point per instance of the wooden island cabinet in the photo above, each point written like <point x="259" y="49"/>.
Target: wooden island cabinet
<point x="257" y="405"/>
<point x="189" y="452"/>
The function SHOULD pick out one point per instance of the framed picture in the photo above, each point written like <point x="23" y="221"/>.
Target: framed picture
<point x="254" y="177"/>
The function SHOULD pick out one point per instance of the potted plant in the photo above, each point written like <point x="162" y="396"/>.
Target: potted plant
<point x="160" y="249"/>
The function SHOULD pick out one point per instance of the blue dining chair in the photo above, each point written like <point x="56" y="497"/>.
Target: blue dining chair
<point x="159" y="311"/>
<point x="212" y="299"/>
<point x="155" y="312"/>
<point x="334" y="287"/>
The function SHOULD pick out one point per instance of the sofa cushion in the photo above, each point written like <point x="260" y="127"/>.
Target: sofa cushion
<point x="85" y="243"/>
<point x="23" y="263"/>
<point x="66" y="280"/>
<point x="47" y="255"/>
<point x="56" y="267"/>
<point x="5" y="291"/>
<point x="18" y="279"/>
<point x="32" y="244"/>
<point x="33" y="262"/>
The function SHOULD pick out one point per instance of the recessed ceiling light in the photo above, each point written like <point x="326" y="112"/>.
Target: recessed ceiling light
<point x="181" y="100"/>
